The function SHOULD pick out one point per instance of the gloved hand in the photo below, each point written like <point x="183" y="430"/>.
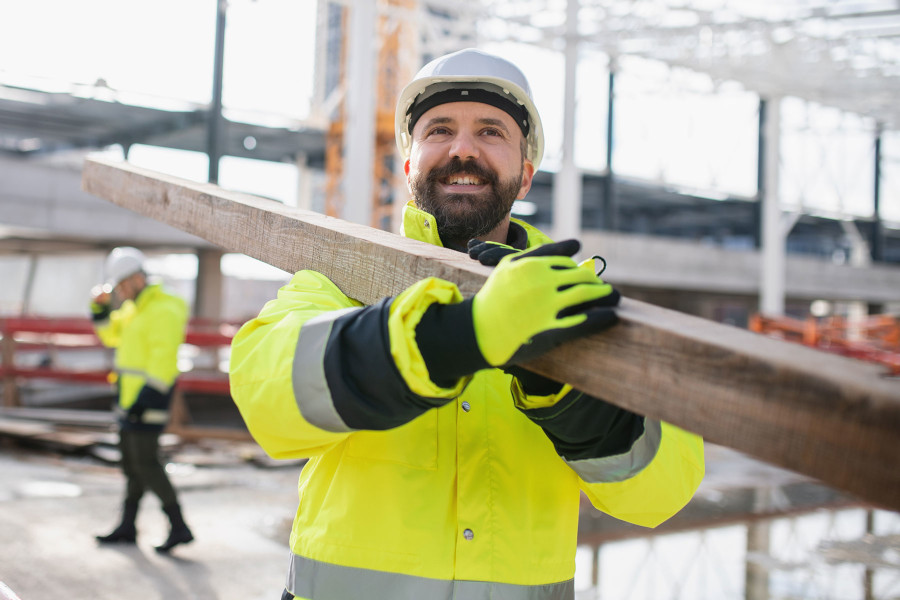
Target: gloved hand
<point x="148" y="397"/>
<point x="536" y="300"/>
<point x="101" y="300"/>
<point x="489" y="253"/>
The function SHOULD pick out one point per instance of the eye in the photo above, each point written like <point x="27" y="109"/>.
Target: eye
<point x="438" y="130"/>
<point x="492" y="131"/>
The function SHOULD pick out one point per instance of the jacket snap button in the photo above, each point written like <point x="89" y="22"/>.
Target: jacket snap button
<point x="427" y="224"/>
<point x="468" y="534"/>
<point x="466" y="406"/>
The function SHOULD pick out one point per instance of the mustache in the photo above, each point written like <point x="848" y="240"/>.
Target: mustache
<point x="457" y="166"/>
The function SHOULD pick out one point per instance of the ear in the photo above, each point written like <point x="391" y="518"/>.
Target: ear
<point x="527" y="177"/>
<point x="406" y="171"/>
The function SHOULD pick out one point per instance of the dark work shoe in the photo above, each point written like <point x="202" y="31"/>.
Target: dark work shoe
<point x="181" y="535"/>
<point x="125" y="533"/>
<point x="120" y="535"/>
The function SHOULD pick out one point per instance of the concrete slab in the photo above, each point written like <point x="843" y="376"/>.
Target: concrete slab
<point x="51" y="507"/>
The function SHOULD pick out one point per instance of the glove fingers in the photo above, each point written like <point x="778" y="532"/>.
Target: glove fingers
<point x="563" y="248"/>
<point x="590" y="295"/>
<point x="492" y="256"/>
<point x="611" y="299"/>
<point x="597" y="320"/>
<point x="579" y="292"/>
<point x="577" y="309"/>
<point x="593" y="321"/>
<point x="584" y="323"/>
<point x="489" y="253"/>
<point x="476" y="247"/>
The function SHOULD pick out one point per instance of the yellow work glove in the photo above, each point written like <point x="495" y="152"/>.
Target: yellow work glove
<point x="536" y="300"/>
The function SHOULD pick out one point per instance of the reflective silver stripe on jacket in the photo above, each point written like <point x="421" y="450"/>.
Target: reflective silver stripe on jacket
<point x="157" y="384"/>
<point x="310" y="385"/>
<point x="622" y="466"/>
<point x="155" y="416"/>
<point x="151" y="416"/>
<point x="316" y="580"/>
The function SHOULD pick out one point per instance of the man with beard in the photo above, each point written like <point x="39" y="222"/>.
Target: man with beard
<point x="439" y="468"/>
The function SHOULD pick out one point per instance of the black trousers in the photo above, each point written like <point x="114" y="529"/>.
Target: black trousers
<point x="142" y="468"/>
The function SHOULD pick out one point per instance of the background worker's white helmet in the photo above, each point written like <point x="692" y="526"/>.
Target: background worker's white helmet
<point x="121" y="263"/>
<point x="479" y="77"/>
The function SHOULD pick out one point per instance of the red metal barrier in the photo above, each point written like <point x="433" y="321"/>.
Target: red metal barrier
<point x="29" y="334"/>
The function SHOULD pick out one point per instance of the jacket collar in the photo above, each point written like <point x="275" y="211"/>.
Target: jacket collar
<point x="150" y="291"/>
<point x="419" y="225"/>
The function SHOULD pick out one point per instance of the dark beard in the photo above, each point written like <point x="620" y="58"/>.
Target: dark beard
<point x="462" y="217"/>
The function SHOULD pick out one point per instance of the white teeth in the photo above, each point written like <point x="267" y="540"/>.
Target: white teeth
<point x="464" y="180"/>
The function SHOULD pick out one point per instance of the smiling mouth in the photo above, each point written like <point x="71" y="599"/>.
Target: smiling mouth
<point x="463" y="179"/>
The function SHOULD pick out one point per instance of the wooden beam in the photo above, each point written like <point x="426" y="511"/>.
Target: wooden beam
<point x="819" y="414"/>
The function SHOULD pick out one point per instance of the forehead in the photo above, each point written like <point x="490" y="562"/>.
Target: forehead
<point x="463" y="113"/>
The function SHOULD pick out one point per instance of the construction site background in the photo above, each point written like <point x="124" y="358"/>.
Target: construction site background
<point x="753" y="531"/>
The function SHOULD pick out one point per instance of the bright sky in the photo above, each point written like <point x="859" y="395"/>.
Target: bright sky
<point x="165" y="48"/>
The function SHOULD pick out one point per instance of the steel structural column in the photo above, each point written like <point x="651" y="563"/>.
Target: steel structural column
<point x="877" y="224"/>
<point x="304" y="181"/>
<point x="611" y="209"/>
<point x="760" y="174"/>
<point x="214" y="125"/>
<point x="209" y="284"/>
<point x="774" y="231"/>
<point x="567" y="183"/>
<point x="359" y="111"/>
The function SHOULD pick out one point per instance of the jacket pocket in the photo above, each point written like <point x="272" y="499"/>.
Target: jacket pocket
<point x="412" y="445"/>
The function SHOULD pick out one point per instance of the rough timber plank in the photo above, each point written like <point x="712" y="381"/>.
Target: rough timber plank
<point x="822" y="415"/>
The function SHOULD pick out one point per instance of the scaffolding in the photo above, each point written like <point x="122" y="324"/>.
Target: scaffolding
<point x="395" y="35"/>
<point x="874" y="339"/>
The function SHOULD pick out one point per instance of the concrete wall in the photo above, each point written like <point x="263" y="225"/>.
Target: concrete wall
<point x="48" y="199"/>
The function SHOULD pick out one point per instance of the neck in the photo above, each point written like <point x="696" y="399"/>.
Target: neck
<point x="499" y="234"/>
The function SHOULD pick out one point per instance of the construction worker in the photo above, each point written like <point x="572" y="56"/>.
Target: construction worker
<point x="438" y="468"/>
<point x="146" y="330"/>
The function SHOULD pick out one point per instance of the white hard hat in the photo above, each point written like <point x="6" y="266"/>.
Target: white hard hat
<point x="121" y="263"/>
<point x="470" y="75"/>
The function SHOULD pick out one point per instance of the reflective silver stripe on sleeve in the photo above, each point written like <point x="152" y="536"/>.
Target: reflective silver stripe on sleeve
<point x="309" y="578"/>
<point x="621" y="466"/>
<point x="157" y="384"/>
<point x="310" y="385"/>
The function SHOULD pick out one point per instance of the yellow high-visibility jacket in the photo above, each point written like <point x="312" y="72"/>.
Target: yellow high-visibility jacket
<point x="449" y="492"/>
<point x="146" y="334"/>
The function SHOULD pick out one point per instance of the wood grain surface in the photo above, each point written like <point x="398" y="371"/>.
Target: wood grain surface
<point x="822" y="415"/>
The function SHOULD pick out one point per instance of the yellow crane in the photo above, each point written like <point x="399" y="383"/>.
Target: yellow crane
<point x="396" y="62"/>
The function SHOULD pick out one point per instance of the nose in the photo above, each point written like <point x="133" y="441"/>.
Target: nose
<point x="464" y="146"/>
